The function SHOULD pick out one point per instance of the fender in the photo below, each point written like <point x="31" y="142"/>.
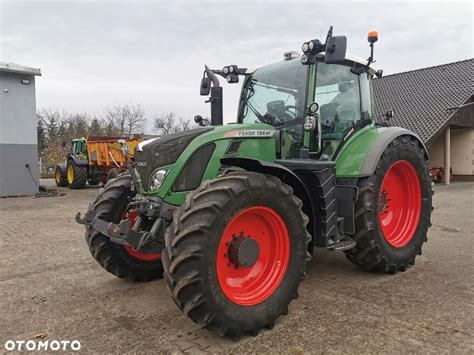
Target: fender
<point x="383" y="140"/>
<point x="285" y="175"/>
<point x="77" y="161"/>
<point x="360" y="154"/>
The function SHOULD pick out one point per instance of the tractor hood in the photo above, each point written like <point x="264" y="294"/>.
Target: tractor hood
<point x="163" y="150"/>
<point x="178" y="148"/>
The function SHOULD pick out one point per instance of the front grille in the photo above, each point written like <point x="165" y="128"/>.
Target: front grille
<point x="143" y="172"/>
<point x="164" y="151"/>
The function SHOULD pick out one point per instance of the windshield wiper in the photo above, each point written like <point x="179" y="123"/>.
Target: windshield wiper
<point x="267" y="118"/>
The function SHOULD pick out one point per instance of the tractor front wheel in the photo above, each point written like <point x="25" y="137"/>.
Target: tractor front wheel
<point x="76" y="175"/>
<point x="235" y="253"/>
<point x="393" y="210"/>
<point x="121" y="260"/>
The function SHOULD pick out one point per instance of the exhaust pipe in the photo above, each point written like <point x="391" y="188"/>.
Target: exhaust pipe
<point x="216" y="99"/>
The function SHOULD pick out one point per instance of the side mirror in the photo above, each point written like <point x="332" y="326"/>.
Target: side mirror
<point x="335" y="49"/>
<point x="205" y="86"/>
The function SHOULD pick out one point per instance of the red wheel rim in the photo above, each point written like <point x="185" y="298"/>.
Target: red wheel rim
<point x="399" y="204"/>
<point x="248" y="286"/>
<point x="132" y="216"/>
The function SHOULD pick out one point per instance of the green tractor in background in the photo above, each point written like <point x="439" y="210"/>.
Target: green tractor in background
<point x="94" y="160"/>
<point x="230" y="215"/>
<point x="75" y="173"/>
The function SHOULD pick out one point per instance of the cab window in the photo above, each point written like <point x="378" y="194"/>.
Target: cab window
<point x="338" y="95"/>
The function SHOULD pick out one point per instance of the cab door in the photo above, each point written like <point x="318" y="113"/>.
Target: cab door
<point x="341" y="103"/>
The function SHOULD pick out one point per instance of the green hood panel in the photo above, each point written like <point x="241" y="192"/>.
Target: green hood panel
<point x="257" y="141"/>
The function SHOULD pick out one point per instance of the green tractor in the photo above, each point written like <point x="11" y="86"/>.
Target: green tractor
<point x="229" y="215"/>
<point x="75" y="172"/>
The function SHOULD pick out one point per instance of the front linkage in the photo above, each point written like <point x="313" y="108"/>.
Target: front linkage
<point x="126" y="234"/>
<point x="146" y="208"/>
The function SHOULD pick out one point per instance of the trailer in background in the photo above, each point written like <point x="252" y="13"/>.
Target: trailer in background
<point x="94" y="160"/>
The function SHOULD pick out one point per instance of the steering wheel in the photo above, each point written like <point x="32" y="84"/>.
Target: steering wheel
<point x="294" y="114"/>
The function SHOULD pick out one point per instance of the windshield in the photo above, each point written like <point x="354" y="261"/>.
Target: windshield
<point x="275" y="94"/>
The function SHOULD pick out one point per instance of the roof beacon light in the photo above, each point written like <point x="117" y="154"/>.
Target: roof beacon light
<point x="373" y="36"/>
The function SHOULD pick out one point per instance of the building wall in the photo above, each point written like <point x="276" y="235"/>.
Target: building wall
<point x="462" y="151"/>
<point x="462" y="145"/>
<point x="436" y="151"/>
<point x="18" y="137"/>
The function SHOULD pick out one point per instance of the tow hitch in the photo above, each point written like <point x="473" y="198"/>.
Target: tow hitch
<point x="123" y="233"/>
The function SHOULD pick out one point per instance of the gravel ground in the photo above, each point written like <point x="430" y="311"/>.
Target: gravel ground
<point x="50" y="284"/>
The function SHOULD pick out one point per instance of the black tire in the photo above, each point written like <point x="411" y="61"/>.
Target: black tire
<point x="190" y="255"/>
<point x="79" y="179"/>
<point x="60" y="175"/>
<point x="110" y="205"/>
<point x="372" y="251"/>
<point x="94" y="180"/>
<point x="112" y="174"/>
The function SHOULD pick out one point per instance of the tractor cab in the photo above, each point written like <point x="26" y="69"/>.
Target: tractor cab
<point x="279" y="94"/>
<point x="79" y="148"/>
<point x="314" y="101"/>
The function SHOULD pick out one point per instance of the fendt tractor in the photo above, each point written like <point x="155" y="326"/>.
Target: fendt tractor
<point x="230" y="214"/>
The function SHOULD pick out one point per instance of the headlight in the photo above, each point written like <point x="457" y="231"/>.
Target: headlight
<point x="305" y="47"/>
<point x="157" y="179"/>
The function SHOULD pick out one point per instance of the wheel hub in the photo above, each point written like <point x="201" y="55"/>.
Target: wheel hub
<point x="243" y="251"/>
<point x="250" y="267"/>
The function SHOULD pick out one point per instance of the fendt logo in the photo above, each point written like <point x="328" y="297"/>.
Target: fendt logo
<point x="42" y="345"/>
<point x="251" y="133"/>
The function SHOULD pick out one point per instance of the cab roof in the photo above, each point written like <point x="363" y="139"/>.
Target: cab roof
<point x="349" y="57"/>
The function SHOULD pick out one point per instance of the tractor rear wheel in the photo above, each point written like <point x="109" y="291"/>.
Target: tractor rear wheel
<point x="235" y="253"/>
<point x="121" y="260"/>
<point x="60" y="175"/>
<point x="76" y="175"/>
<point x="393" y="210"/>
<point x="94" y="179"/>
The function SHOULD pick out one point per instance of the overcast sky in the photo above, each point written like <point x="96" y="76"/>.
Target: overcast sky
<point x="95" y="54"/>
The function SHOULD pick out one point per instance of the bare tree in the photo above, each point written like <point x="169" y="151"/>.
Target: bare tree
<point x="56" y="129"/>
<point x="125" y="119"/>
<point x="96" y="127"/>
<point x="169" y="123"/>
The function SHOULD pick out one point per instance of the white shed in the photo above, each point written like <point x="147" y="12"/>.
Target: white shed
<point x="18" y="137"/>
